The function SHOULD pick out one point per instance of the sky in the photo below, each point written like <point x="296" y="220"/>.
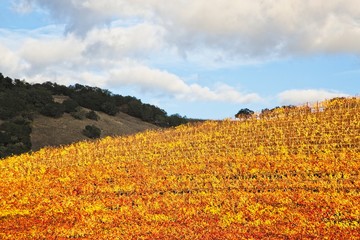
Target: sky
<point x="198" y="58"/>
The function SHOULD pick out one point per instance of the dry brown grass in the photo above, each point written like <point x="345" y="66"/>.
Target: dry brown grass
<point x="48" y="131"/>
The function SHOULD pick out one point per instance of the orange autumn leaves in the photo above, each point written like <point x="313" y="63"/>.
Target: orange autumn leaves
<point x="290" y="174"/>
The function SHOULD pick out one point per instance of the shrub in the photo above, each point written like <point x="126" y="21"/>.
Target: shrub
<point x="92" y="115"/>
<point x="11" y="104"/>
<point x="53" y="110"/>
<point x="80" y="114"/>
<point x="38" y="97"/>
<point x="92" y="131"/>
<point x="15" y="137"/>
<point x="70" y="105"/>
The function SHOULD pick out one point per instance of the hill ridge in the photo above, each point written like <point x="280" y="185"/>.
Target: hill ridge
<point x="22" y="102"/>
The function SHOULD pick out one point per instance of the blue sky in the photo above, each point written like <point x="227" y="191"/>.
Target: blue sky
<point x="199" y="58"/>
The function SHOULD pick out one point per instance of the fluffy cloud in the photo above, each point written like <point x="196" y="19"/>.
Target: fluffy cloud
<point x="10" y="61"/>
<point x="108" y="58"/>
<point x="296" y="97"/>
<point x="267" y="28"/>
<point x="137" y="41"/>
<point x="44" y="49"/>
<point x="43" y="53"/>
<point x="155" y="80"/>
<point x="241" y="29"/>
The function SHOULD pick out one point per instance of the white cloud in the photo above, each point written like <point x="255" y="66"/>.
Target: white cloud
<point x="106" y="58"/>
<point x="297" y="97"/>
<point x="10" y="63"/>
<point x="241" y="29"/>
<point x="263" y="29"/>
<point x="43" y="53"/>
<point x="45" y="49"/>
<point x="137" y="41"/>
<point x="163" y="82"/>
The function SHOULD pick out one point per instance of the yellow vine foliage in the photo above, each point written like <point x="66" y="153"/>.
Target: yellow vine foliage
<point x="288" y="174"/>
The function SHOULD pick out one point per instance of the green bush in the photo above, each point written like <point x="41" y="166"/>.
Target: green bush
<point x="92" y="115"/>
<point x="92" y="131"/>
<point x="11" y="104"/>
<point x="38" y="97"/>
<point x="54" y="109"/>
<point x="70" y="105"/>
<point x="15" y="137"/>
<point x="80" y="114"/>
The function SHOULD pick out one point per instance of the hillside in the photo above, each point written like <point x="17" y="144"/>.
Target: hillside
<point x="288" y="174"/>
<point x="36" y="115"/>
<point x="47" y="131"/>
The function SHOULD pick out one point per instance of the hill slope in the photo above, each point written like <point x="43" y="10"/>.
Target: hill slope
<point x="20" y="102"/>
<point x="292" y="174"/>
<point x="47" y="131"/>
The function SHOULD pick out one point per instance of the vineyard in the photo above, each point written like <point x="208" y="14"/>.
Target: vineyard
<point x="292" y="173"/>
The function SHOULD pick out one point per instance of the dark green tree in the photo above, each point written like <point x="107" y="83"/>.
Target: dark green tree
<point x="135" y="108"/>
<point x="176" y="120"/>
<point x="244" y="113"/>
<point x="70" y="105"/>
<point x="15" y="137"/>
<point x="6" y="82"/>
<point x="11" y="104"/>
<point x="54" y="110"/>
<point x="109" y="108"/>
<point x="37" y="97"/>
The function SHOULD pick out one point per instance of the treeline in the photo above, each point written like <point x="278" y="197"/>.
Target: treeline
<point x="286" y="110"/>
<point x="20" y="101"/>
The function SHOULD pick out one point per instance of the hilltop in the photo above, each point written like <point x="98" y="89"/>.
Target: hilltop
<point x="292" y="173"/>
<point x="49" y="114"/>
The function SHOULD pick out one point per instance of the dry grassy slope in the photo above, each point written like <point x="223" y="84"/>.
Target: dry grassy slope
<point x="48" y="131"/>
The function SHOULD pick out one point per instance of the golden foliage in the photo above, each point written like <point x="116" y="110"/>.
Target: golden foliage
<point x="293" y="173"/>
